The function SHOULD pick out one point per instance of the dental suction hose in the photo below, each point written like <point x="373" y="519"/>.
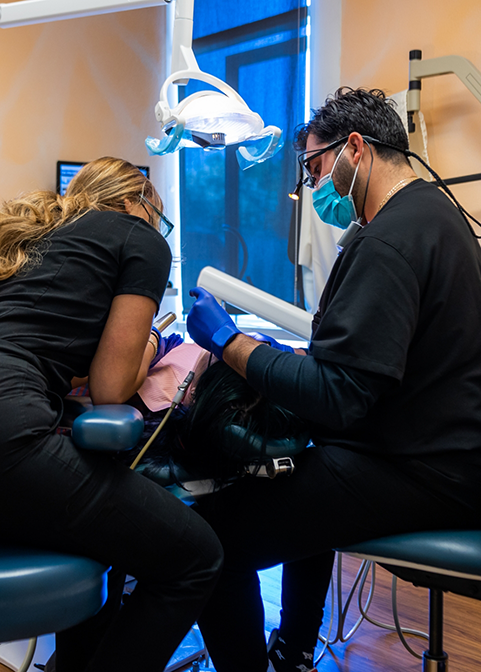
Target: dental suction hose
<point x="178" y="399"/>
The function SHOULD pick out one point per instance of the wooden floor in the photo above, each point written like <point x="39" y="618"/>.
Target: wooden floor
<point x="375" y="650"/>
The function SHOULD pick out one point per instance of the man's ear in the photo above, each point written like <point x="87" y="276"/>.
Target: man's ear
<point x="356" y="143"/>
<point x="128" y="205"/>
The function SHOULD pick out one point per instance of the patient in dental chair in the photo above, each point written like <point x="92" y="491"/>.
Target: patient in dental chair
<point x="222" y="426"/>
<point x="222" y="430"/>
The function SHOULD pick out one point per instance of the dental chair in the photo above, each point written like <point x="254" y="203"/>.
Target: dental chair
<point x="442" y="561"/>
<point x="41" y="591"/>
<point x="254" y="457"/>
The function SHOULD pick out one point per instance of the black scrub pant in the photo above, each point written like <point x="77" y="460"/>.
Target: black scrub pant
<point x="334" y="498"/>
<point x="56" y="497"/>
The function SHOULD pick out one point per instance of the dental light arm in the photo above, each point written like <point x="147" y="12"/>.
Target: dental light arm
<point x="443" y="65"/>
<point x="246" y="297"/>
<point x="182" y="55"/>
<point x="27" y="12"/>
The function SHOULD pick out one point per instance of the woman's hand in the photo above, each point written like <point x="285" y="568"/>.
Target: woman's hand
<point x="162" y="345"/>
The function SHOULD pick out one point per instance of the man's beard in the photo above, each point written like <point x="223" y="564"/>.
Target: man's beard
<point x="343" y="176"/>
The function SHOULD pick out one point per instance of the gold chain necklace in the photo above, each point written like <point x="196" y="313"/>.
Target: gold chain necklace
<point x="396" y="188"/>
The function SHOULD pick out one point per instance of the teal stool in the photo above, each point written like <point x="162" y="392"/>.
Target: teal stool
<point x="41" y="591"/>
<point x="442" y="561"/>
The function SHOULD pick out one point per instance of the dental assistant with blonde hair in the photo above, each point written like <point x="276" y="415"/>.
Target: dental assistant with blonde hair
<point x="81" y="278"/>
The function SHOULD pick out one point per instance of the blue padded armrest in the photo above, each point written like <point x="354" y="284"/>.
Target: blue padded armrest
<point x="456" y="552"/>
<point x="111" y="427"/>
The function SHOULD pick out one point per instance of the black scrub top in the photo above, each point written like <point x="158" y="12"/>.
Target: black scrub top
<point x="57" y="308"/>
<point x="402" y="304"/>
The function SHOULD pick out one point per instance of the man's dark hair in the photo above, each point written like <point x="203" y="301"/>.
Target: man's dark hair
<point x="357" y="110"/>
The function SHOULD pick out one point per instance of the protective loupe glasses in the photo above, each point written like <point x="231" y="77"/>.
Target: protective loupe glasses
<point x="166" y="226"/>
<point x="306" y="177"/>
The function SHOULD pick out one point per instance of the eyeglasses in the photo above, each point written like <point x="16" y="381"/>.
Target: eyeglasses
<point x="166" y="225"/>
<point x="306" y="177"/>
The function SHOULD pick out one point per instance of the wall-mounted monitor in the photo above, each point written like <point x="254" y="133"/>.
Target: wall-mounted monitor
<point x="66" y="170"/>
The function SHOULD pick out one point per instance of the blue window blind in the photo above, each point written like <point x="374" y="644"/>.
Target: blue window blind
<point x="238" y="221"/>
<point x="215" y="16"/>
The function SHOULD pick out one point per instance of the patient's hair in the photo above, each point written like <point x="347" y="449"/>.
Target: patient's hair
<point x="102" y="184"/>
<point x="195" y="437"/>
<point x="368" y="112"/>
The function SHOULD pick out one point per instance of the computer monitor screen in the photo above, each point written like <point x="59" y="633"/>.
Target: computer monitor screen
<point x="66" y="170"/>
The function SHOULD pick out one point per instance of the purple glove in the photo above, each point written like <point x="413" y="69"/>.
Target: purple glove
<point x="165" y="345"/>
<point x="209" y="324"/>
<point x="262" y="338"/>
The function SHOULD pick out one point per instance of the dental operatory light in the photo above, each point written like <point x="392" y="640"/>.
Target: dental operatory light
<point x="211" y="120"/>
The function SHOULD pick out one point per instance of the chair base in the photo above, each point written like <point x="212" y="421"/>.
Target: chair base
<point x="431" y="664"/>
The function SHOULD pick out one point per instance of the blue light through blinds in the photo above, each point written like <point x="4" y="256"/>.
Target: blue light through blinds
<point x="215" y="16"/>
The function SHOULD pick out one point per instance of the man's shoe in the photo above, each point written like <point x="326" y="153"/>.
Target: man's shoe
<point x="284" y="660"/>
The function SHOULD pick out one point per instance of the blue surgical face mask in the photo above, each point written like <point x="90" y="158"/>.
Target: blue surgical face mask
<point x="330" y="206"/>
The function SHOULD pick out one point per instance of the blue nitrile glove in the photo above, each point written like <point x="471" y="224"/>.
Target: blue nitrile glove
<point x="209" y="324"/>
<point x="165" y="345"/>
<point x="262" y="338"/>
<point x="172" y="342"/>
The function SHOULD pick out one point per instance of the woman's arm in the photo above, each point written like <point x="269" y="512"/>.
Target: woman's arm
<point x="124" y="352"/>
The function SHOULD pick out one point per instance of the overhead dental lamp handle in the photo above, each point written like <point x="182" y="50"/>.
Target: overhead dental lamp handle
<point x="253" y="300"/>
<point x="162" y="109"/>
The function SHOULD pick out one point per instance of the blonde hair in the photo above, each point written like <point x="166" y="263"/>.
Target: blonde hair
<point x="103" y="184"/>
